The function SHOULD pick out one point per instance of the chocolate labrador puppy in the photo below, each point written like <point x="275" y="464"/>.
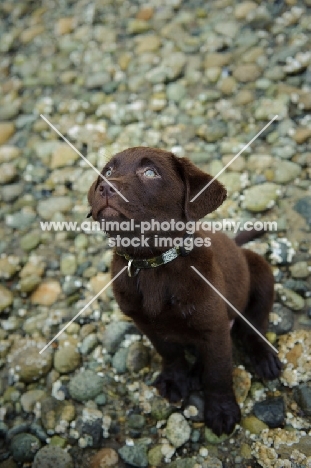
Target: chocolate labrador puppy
<point x="165" y="296"/>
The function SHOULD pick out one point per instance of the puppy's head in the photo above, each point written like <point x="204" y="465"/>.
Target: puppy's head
<point x="157" y="185"/>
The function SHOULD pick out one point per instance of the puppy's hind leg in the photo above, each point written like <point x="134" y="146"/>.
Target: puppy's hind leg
<point x="267" y="365"/>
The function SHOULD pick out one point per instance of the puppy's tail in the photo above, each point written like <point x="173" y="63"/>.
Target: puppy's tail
<point x="246" y="236"/>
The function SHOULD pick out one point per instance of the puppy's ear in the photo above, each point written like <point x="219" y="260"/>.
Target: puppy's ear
<point x="195" y="180"/>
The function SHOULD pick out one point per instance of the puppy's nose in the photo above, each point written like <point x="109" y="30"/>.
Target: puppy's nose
<point x="106" y="190"/>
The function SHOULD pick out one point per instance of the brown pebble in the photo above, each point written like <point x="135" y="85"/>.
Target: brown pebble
<point x="65" y="26"/>
<point x="47" y="293"/>
<point x="7" y="129"/>
<point x="145" y="14"/>
<point x="105" y="458"/>
<point x="302" y="134"/>
<point x="247" y="73"/>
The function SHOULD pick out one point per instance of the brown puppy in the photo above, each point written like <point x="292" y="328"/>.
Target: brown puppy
<point x="166" y="298"/>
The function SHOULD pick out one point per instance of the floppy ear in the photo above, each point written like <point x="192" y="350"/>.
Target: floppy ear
<point x="195" y="180"/>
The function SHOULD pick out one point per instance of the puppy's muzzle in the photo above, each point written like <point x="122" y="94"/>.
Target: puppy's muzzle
<point x="107" y="190"/>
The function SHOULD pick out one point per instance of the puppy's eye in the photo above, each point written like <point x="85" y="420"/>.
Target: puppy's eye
<point x="108" y="172"/>
<point x="150" y="173"/>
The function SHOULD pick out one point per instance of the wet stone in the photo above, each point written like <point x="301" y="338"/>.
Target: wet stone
<point x="66" y="359"/>
<point x="137" y="357"/>
<point x="283" y="320"/>
<point x="86" y="385"/>
<point x="135" y="455"/>
<point x="253" y="424"/>
<point x="24" y="447"/>
<point x="115" y="333"/>
<point x="177" y="430"/>
<point x="271" y="411"/>
<point x="50" y="457"/>
<point x="302" y="395"/>
<point x="303" y="207"/>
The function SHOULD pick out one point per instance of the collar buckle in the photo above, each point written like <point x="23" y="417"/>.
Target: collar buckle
<point x="129" y="269"/>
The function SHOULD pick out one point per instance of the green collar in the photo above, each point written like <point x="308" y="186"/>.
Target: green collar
<point x="134" y="266"/>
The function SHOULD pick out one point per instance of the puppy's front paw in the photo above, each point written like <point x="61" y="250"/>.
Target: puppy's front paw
<point x="172" y="385"/>
<point x="221" y="413"/>
<point x="267" y="365"/>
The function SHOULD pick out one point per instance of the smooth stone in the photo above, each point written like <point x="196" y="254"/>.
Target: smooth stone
<point x="105" y="458"/>
<point x="51" y="457"/>
<point x="8" y="172"/>
<point x="86" y="385"/>
<point x="212" y="131"/>
<point x="175" y="91"/>
<point x="7" y="129"/>
<point x="97" y="80"/>
<point x="47" y="293"/>
<point x="57" y="441"/>
<point x="155" y="456"/>
<point x="285" y="171"/>
<point x="68" y="264"/>
<point x="30" y="398"/>
<point x="285" y="320"/>
<point x="88" y="344"/>
<point x="291" y="299"/>
<point x="302" y="134"/>
<point x="20" y="220"/>
<point x="8" y="267"/>
<point x="232" y="181"/>
<point x="138" y="357"/>
<point x="178" y="430"/>
<point x="44" y="149"/>
<point x="253" y="424"/>
<point x="242" y="10"/>
<point x="300" y="270"/>
<point x="135" y="455"/>
<point x="24" y="447"/>
<point x="150" y="43"/>
<point x="28" y="364"/>
<point x="271" y="411"/>
<point x="29" y="34"/>
<point x="266" y="109"/>
<point x="212" y="438"/>
<point x="66" y="359"/>
<point x="10" y="193"/>
<point x="6" y="298"/>
<point x="138" y="26"/>
<point x="261" y="197"/>
<point x="303" y="207"/>
<point x="246" y="73"/>
<point x="8" y="153"/>
<point x="114" y="334"/>
<point x="136" y="421"/>
<point x="119" y="360"/>
<point x="64" y="26"/>
<point x="63" y="155"/>
<point x="48" y="208"/>
<point x="188" y="463"/>
<point x="302" y="395"/>
<point x="30" y="240"/>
